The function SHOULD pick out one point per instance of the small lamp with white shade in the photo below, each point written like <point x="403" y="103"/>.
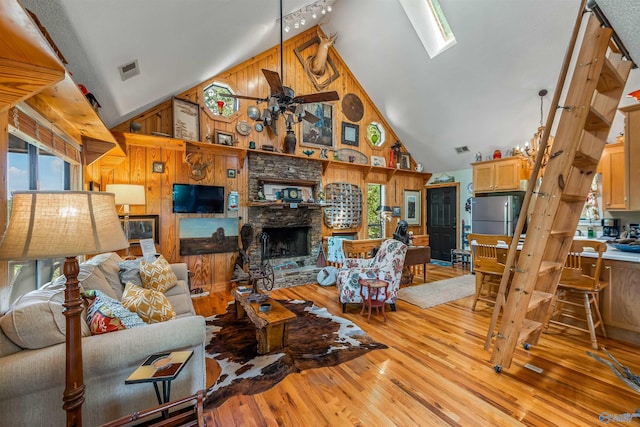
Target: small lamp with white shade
<point x="125" y="196"/>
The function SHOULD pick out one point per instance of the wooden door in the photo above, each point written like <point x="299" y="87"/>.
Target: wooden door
<point x="442" y="220"/>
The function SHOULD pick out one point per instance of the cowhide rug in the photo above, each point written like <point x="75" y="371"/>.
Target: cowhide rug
<point x="316" y="339"/>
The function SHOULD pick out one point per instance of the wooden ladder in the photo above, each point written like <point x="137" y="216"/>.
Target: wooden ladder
<point x="593" y="96"/>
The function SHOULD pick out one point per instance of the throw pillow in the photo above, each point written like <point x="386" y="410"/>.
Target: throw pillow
<point x="130" y="272"/>
<point x="108" y="264"/>
<point x="157" y="275"/>
<point x="35" y="320"/>
<point x="106" y="314"/>
<point x="152" y="306"/>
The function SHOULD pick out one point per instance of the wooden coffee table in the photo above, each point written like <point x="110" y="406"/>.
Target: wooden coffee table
<point x="271" y="326"/>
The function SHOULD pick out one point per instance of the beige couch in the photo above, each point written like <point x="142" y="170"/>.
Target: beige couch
<point x="32" y="380"/>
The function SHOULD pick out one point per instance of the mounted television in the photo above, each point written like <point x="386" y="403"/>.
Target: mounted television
<point x="193" y="198"/>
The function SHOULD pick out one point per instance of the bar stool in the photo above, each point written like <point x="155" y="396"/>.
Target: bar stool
<point x="580" y="288"/>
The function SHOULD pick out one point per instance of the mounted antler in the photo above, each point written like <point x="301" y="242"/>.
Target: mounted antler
<point x="197" y="169"/>
<point x="319" y="61"/>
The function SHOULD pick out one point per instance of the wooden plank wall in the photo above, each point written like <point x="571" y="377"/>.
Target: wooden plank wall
<point x="214" y="271"/>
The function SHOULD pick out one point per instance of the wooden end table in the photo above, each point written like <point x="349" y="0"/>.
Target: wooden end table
<point x="271" y="326"/>
<point x="374" y="286"/>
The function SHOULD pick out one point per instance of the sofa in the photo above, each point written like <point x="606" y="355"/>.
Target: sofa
<point x="33" y="375"/>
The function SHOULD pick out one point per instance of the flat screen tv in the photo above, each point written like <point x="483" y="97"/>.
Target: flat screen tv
<point x="193" y="198"/>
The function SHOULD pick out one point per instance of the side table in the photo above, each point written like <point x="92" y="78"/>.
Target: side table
<point x="374" y="287"/>
<point x="161" y="368"/>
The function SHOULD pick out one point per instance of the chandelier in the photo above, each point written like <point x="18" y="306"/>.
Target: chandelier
<point x="531" y="149"/>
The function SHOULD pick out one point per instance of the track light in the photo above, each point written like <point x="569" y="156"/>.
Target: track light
<point x="286" y="28"/>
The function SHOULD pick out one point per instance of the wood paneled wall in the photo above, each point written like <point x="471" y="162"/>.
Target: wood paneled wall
<point x="215" y="270"/>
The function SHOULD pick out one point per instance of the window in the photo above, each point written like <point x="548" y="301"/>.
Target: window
<point x="30" y="168"/>
<point x="215" y="93"/>
<point x="375" y="218"/>
<point x="430" y="24"/>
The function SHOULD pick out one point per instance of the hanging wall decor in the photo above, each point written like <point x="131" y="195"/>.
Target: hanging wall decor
<point x="344" y="208"/>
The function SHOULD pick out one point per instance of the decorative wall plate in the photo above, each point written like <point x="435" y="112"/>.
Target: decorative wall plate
<point x="243" y="127"/>
<point x="258" y="127"/>
<point x="352" y="107"/>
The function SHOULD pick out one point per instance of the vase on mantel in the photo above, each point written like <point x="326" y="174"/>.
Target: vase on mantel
<point x="290" y="142"/>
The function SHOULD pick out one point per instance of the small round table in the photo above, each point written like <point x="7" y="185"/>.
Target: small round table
<point x="374" y="287"/>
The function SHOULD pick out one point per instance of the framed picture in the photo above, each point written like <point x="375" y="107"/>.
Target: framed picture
<point x="158" y="167"/>
<point x="395" y="211"/>
<point x="320" y="133"/>
<point x="404" y="161"/>
<point x="350" y="133"/>
<point x="231" y="173"/>
<point x="186" y="119"/>
<point x="412" y="207"/>
<point x="223" y="138"/>
<point x="378" y="161"/>
<point x="142" y="227"/>
<point x="208" y="235"/>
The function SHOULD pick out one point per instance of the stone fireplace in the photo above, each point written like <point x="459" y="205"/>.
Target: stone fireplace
<point x="288" y="234"/>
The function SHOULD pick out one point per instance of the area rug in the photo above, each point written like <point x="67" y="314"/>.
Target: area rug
<point x="440" y="292"/>
<point x="440" y="263"/>
<point x="316" y="339"/>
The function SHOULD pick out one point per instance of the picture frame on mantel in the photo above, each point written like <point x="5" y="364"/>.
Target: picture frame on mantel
<point x="186" y="119"/>
<point x="412" y="207"/>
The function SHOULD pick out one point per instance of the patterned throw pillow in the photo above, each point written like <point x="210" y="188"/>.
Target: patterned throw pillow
<point x="152" y="306"/>
<point x="105" y="314"/>
<point x="157" y="275"/>
<point x="130" y="271"/>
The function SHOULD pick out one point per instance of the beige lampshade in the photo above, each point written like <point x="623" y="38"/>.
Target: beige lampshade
<point x="52" y="224"/>
<point x="127" y="194"/>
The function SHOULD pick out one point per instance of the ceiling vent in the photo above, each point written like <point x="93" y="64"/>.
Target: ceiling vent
<point x="463" y="149"/>
<point x="129" y="70"/>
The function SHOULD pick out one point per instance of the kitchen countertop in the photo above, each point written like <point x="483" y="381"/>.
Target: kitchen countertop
<point x="611" y="253"/>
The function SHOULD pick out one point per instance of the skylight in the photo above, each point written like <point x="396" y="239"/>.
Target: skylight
<point x="430" y="24"/>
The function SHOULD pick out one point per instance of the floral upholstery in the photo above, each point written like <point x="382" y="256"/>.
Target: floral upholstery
<point x="386" y="265"/>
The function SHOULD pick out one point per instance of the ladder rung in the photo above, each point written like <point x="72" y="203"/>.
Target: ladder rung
<point x="562" y="233"/>
<point x="610" y="77"/>
<point x="547" y="267"/>
<point x="583" y="161"/>
<point x="573" y="198"/>
<point x="529" y="327"/>
<point x="537" y="298"/>
<point x="596" y="120"/>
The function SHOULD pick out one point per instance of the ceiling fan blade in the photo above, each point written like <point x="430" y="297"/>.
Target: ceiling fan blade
<point x="317" y="97"/>
<point x="310" y="117"/>
<point x="274" y="81"/>
<point x="253" y="98"/>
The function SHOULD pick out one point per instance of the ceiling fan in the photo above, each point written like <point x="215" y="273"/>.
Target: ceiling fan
<point x="282" y="99"/>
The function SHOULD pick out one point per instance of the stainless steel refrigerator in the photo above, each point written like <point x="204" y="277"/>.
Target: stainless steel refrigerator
<point x="496" y="214"/>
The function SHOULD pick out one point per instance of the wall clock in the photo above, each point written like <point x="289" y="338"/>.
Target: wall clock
<point x="470" y="188"/>
<point x="292" y="194"/>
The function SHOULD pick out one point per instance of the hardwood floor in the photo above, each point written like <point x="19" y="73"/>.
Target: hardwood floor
<point x="436" y="372"/>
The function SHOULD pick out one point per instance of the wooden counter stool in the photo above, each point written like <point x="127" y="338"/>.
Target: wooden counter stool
<point x="374" y="287"/>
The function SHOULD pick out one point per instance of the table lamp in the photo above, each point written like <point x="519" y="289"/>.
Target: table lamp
<point x="127" y="195"/>
<point x="54" y="224"/>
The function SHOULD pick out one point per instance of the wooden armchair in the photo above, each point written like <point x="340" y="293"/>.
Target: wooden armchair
<point x="579" y="289"/>
<point x="488" y="264"/>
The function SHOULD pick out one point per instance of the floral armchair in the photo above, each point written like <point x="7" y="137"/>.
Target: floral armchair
<point x="385" y="265"/>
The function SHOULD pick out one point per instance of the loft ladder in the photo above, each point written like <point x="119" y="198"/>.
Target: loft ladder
<point x="597" y="83"/>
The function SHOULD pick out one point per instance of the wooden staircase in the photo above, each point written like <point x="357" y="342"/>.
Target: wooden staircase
<point x="593" y="96"/>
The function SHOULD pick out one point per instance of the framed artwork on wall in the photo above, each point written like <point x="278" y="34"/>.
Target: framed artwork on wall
<point x="186" y="119"/>
<point x="223" y="138"/>
<point x="142" y="227"/>
<point x="208" y="235"/>
<point x="412" y="207"/>
<point x="320" y="133"/>
<point x="404" y="161"/>
<point x="350" y="134"/>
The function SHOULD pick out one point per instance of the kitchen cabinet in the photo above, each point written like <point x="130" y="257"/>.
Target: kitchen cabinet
<point x="499" y="174"/>
<point x="619" y="166"/>
<point x="620" y="300"/>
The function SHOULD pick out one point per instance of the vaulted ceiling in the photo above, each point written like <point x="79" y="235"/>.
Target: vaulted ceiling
<point x="482" y="93"/>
